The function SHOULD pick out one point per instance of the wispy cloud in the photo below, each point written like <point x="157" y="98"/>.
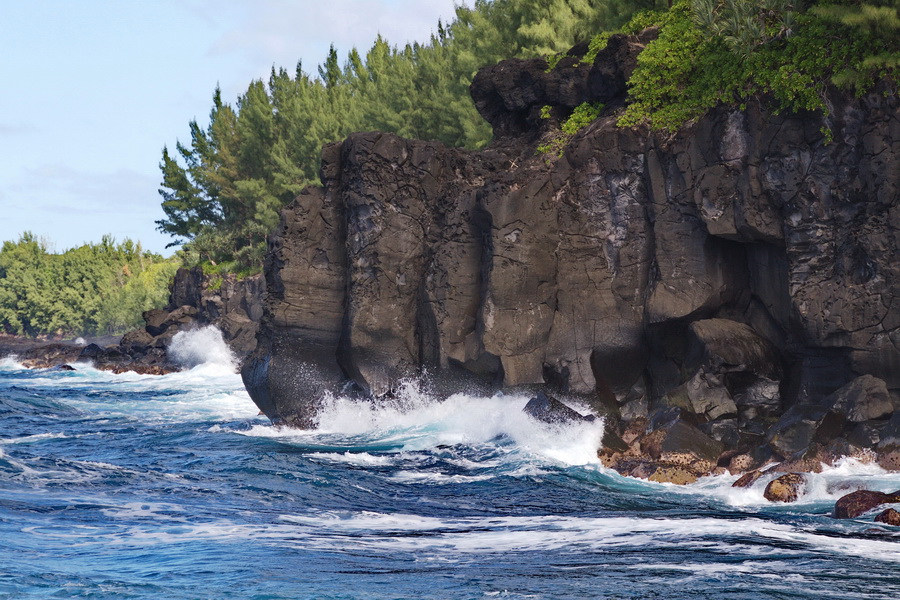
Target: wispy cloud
<point x="71" y="207"/>
<point x="283" y="32"/>
<point x="7" y="130"/>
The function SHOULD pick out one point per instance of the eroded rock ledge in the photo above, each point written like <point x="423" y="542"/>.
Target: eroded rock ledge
<point x="727" y="296"/>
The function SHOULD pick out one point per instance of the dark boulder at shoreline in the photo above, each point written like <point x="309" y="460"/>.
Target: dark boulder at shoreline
<point x="860" y="502"/>
<point x="550" y="410"/>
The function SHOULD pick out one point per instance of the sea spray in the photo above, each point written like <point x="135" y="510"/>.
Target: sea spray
<point x="157" y="486"/>
<point x="11" y="363"/>
<point x="415" y="420"/>
<point x="204" y="346"/>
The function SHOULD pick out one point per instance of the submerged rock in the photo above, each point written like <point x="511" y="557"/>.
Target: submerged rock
<point x="889" y="517"/>
<point x="550" y="410"/>
<point x="786" y="488"/>
<point x="747" y="479"/>
<point x="859" y="502"/>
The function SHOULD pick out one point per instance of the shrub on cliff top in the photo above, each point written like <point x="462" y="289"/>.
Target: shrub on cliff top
<point x="581" y="117"/>
<point x="705" y="56"/>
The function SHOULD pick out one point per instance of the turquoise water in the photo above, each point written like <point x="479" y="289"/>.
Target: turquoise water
<point x="127" y="486"/>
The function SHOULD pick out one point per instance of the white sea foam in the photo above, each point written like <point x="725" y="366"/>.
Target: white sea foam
<point x="160" y="511"/>
<point x="416" y="421"/>
<point x="821" y="491"/>
<point x="10" y="363"/>
<point x="446" y="537"/>
<point x="362" y="459"/>
<point x="32" y="438"/>
<point x="435" y="478"/>
<point x="204" y="346"/>
<point x="209" y="391"/>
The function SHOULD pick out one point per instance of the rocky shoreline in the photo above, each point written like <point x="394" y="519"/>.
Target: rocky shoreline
<point x="725" y="296"/>
<point x="195" y="300"/>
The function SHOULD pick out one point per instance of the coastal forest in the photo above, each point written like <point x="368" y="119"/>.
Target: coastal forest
<point x="94" y="289"/>
<point x="223" y="189"/>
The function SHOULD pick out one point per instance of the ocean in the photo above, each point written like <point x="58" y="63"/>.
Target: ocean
<point x="172" y="487"/>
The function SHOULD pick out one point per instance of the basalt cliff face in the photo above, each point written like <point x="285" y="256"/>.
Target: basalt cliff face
<point x="715" y="279"/>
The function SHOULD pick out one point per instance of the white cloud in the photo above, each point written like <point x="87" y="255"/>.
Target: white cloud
<point x="14" y="130"/>
<point x="281" y="32"/>
<point x="71" y="207"/>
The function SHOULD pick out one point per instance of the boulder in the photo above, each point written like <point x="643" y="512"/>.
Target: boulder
<point x="866" y="434"/>
<point x="759" y="398"/>
<point x="550" y="410"/>
<point x="889" y="434"/>
<point x="859" y="502"/>
<point x="156" y="321"/>
<point x="704" y="394"/>
<point x="888" y="447"/>
<point x="725" y="431"/>
<point x="726" y="346"/>
<point x="136" y="342"/>
<point x="676" y="475"/>
<point x="91" y="352"/>
<point x="863" y="399"/>
<point x="673" y="441"/>
<point x="786" y="488"/>
<point x="747" y="479"/>
<point x="889" y="459"/>
<point x="801" y="426"/>
<point x="889" y="517"/>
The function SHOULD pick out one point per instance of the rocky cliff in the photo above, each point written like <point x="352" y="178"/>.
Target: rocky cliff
<point x="717" y="277"/>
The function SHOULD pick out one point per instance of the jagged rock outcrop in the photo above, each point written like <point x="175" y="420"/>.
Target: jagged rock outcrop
<point x="195" y="300"/>
<point x="741" y="271"/>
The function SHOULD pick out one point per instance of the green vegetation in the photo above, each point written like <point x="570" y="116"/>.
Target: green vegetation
<point x="90" y="290"/>
<point x="580" y="118"/>
<point x="222" y="192"/>
<point x="712" y="52"/>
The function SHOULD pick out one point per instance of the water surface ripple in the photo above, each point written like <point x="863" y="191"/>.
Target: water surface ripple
<point x="128" y="486"/>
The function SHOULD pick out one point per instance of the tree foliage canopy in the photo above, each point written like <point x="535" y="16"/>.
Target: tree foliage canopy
<point x="712" y="52"/>
<point x="223" y="190"/>
<point x="93" y="289"/>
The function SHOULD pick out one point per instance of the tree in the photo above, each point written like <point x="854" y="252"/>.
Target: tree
<point x="222" y="193"/>
<point x="92" y="289"/>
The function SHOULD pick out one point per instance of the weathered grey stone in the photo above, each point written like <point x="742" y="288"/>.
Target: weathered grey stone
<point x="802" y="426"/>
<point x="863" y="399"/>
<point x="550" y="410"/>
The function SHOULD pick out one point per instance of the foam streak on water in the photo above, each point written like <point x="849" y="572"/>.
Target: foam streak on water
<point x="131" y="486"/>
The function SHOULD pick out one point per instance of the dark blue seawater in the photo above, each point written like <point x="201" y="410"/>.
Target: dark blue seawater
<point x="127" y="486"/>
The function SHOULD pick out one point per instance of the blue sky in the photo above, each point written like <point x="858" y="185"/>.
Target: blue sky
<point x="93" y="89"/>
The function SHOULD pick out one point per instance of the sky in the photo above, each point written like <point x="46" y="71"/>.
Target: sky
<point x="92" y="90"/>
